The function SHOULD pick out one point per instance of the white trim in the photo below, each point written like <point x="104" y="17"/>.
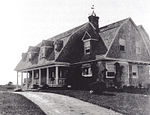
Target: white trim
<point x="112" y="64"/>
<point x="85" y="34"/>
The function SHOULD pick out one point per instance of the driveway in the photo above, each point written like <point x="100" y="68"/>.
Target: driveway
<point x="55" y="104"/>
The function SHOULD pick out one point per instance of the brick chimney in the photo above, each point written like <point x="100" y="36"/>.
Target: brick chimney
<point x="94" y="19"/>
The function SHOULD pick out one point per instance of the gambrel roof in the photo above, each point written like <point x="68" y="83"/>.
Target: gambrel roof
<point x="72" y="50"/>
<point x="108" y="32"/>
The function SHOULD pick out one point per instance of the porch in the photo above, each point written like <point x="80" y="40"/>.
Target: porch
<point x="53" y="76"/>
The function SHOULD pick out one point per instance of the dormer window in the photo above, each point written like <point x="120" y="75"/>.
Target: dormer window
<point x="29" y="56"/>
<point x="43" y="55"/>
<point x="122" y="43"/>
<point x="87" y="47"/>
<point x="58" y="45"/>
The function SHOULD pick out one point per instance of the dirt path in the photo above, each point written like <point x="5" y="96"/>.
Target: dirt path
<point x="54" y="104"/>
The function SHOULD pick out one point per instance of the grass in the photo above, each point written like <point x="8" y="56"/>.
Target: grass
<point x="125" y="103"/>
<point x="14" y="104"/>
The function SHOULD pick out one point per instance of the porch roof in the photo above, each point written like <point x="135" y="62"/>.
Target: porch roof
<point x="50" y="64"/>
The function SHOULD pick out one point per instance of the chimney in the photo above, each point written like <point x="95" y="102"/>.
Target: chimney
<point x="94" y="19"/>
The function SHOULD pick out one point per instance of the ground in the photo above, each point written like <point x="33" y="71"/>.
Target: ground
<point x="122" y="102"/>
<point x="54" y="104"/>
<point x="14" y="104"/>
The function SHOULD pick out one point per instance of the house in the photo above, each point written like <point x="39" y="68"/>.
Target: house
<point x="117" y="54"/>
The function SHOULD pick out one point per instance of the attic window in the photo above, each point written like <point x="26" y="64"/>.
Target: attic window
<point x="122" y="43"/>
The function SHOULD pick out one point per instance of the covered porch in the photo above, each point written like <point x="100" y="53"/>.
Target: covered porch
<point x="53" y="76"/>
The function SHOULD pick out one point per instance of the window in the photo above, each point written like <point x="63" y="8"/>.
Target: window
<point x="87" y="72"/>
<point x="111" y="74"/>
<point x="87" y="47"/>
<point x="138" y="48"/>
<point x="134" y="71"/>
<point x="87" y="50"/>
<point x="110" y="70"/>
<point x="36" y="75"/>
<point x="30" y="55"/>
<point x="122" y="44"/>
<point x="43" y="55"/>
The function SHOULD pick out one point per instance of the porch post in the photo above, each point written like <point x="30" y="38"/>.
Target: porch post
<point x="57" y="75"/>
<point x="27" y="80"/>
<point x="39" y="76"/>
<point x="47" y="77"/>
<point x="21" y="79"/>
<point x="32" y="77"/>
<point x="17" y="78"/>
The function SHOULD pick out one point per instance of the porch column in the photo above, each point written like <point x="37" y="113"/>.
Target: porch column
<point x="47" y="77"/>
<point x="17" y="78"/>
<point x="39" y="76"/>
<point x="57" y="75"/>
<point x="32" y="77"/>
<point x="27" y="80"/>
<point x="21" y="79"/>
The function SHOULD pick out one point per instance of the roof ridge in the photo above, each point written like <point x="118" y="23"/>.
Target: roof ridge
<point x="108" y="26"/>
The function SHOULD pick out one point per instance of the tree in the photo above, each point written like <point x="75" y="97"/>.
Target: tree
<point x="10" y="83"/>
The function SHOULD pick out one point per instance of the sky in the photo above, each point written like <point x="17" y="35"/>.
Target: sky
<point x="25" y="23"/>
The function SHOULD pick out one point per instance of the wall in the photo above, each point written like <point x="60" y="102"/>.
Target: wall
<point x="130" y="34"/>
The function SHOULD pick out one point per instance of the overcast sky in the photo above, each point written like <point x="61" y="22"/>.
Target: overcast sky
<point x="25" y="23"/>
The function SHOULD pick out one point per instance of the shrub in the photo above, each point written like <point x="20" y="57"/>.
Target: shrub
<point x="97" y="87"/>
<point x="45" y="86"/>
<point x="35" y="86"/>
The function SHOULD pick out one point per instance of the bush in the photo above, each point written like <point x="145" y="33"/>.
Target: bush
<point x="97" y="87"/>
<point x="18" y="90"/>
<point x="35" y="86"/>
<point x="45" y="86"/>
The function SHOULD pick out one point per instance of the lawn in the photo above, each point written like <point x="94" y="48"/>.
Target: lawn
<point x="14" y="104"/>
<point x="125" y="103"/>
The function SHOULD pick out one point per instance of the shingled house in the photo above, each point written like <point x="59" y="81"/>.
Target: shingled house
<point x="118" y="54"/>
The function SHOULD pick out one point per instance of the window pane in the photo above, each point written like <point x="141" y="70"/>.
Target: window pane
<point x="122" y="42"/>
<point x="122" y="48"/>
<point x="110" y="74"/>
<point x="87" y="44"/>
<point x="87" y="51"/>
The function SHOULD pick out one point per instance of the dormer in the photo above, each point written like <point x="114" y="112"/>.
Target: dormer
<point x="46" y="49"/>
<point x="24" y="56"/>
<point x="32" y="52"/>
<point x="58" y="45"/>
<point x="88" y="43"/>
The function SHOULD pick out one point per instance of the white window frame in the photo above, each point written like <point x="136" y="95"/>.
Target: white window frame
<point x="43" y="55"/>
<point x="135" y="70"/>
<point x="87" y="46"/>
<point x="30" y="55"/>
<point x="110" y="70"/>
<point x="122" y="43"/>
<point x="89" y="72"/>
